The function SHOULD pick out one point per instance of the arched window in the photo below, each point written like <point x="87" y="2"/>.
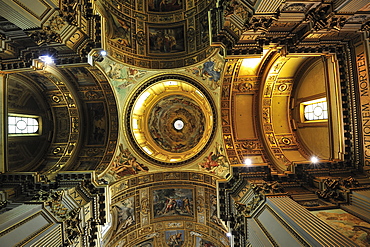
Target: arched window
<point x="23" y="124"/>
<point x="315" y="110"/>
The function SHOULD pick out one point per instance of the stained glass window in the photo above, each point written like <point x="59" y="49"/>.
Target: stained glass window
<point x="315" y="110"/>
<point x="22" y="125"/>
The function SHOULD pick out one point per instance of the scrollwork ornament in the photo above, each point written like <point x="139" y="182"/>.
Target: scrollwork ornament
<point x="283" y="87"/>
<point x="145" y="206"/>
<point x="45" y="36"/>
<point x="295" y="7"/>
<point x="191" y="35"/>
<point x="323" y="18"/>
<point x="249" y="145"/>
<point x="92" y="95"/>
<point x="259" y="24"/>
<point x="67" y="12"/>
<point x="245" y="87"/>
<point x="140" y="38"/>
<point x="200" y="204"/>
<point x="56" y="23"/>
<point x="92" y="152"/>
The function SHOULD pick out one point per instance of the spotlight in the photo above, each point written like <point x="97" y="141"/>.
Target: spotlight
<point x="103" y="53"/>
<point x="229" y="234"/>
<point x="314" y="160"/>
<point x="46" y="59"/>
<point x="247" y="162"/>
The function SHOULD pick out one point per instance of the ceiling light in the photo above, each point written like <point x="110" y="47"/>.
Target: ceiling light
<point x="247" y="162"/>
<point x="314" y="160"/>
<point x="46" y="59"/>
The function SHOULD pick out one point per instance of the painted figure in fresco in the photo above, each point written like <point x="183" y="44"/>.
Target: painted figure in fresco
<point x="171" y="205"/>
<point x="127" y="167"/>
<point x="366" y="230"/>
<point x="186" y="202"/>
<point x="177" y="205"/>
<point x="164" y="5"/>
<point x="166" y="40"/>
<point x="126" y="164"/>
<point x="135" y="73"/>
<point x="204" y="243"/>
<point x="211" y="71"/>
<point x="210" y="162"/>
<point x="213" y="215"/>
<point x="122" y="36"/>
<point x="215" y="162"/>
<point x="115" y="71"/>
<point x="122" y="76"/>
<point x="180" y="204"/>
<point x="169" y="202"/>
<point x="125" y="213"/>
<point x="175" y="240"/>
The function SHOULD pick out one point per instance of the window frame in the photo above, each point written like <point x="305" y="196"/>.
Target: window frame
<point x="303" y="106"/>
<point x="38" y="119"/>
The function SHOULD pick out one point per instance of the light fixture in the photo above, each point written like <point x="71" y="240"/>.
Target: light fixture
<point x="46" y="59"/>
<point x="314" y="160"/>
<point x="229" y="234"/>
<point x="247" y="162"/>
<point x="103" y="53"/>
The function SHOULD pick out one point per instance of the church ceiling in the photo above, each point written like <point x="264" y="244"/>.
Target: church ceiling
<point x="177" y="207"/>
<point x="261" y="109"/>
<point x="78" y="116"/>
<point x="186" y="92"/>
<point x="153" y="202"/>
<point x="157" y="34"/>
<point x="161" y="103"/>
<point x="150" y="102"/>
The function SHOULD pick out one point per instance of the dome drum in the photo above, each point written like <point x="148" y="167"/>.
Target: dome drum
<point x="171" y="120"/>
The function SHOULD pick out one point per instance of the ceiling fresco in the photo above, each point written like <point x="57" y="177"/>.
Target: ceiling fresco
<point x="128" y="80"/>
<point x="157" y="34"/>
<point x="178" y="209"/>
<point x="150" y="109"/>
<point x="176" y="123"/>
<point x="159" y="104"/>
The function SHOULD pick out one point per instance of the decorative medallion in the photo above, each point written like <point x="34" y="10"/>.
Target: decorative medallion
<point x="171" y="120"/>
